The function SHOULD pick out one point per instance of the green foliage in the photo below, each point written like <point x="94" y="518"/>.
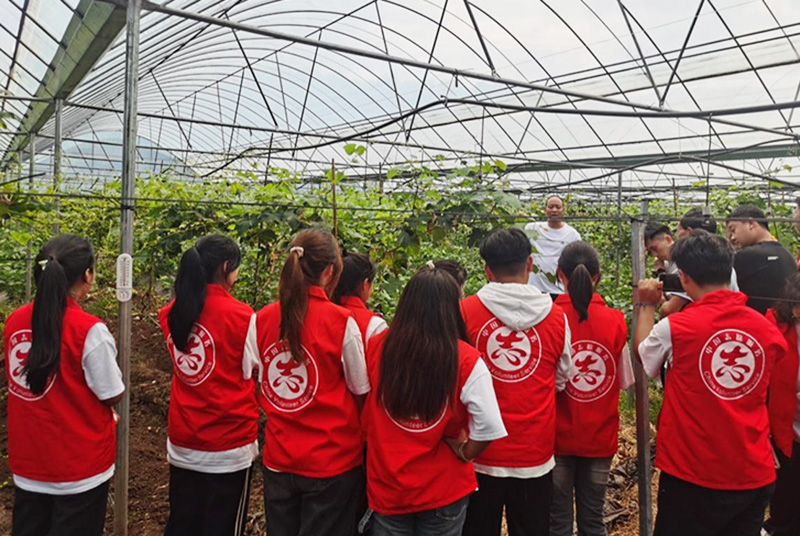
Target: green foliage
<point x="430" y="217"/>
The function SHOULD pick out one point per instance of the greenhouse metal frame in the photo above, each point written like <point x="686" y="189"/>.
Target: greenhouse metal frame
<point x="624" y="107"/>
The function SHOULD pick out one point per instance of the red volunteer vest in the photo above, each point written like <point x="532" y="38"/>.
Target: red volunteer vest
<point x="783" y="389"/>
<point x="312" y="425"/>
<point x="360" y="312"/>
<point x="65" y="434"/>
<point x="523" y="367"/>
<point x="587" y="415"/>
<point x="212" y="408"/>
<point x="714" y="428"/>
<point x="409" y="466"/>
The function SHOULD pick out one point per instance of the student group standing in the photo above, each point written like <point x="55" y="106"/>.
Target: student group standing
<point x="410" y="429"/>
<point x="460" y="411"/>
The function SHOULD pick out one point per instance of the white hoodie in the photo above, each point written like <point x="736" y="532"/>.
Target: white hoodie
<point x="520" y="307"/>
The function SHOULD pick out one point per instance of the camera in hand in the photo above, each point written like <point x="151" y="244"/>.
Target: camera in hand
<point x="670" y="282"/>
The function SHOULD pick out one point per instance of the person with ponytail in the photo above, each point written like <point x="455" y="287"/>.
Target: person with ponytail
<point x="432" y="412"/>
<point x="62" y="380"/>
<point x="313" y="382"/>
<point x="587" y="416"/>
<point x="353" y="292"/>
<point x="524" y="340"/>
<point x="213" y="414"/>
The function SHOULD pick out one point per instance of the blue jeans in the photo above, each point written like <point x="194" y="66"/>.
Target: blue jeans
<point x="587" y="479"/>
<point x="445" y="521"/>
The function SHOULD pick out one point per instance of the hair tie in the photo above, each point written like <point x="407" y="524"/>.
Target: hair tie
<point x="430" y="265"/>
<point x="43" y="263"/>
<point x="299" y="250"/>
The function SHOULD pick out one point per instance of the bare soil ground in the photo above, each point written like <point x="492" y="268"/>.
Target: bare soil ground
<point x="148" y="508"/>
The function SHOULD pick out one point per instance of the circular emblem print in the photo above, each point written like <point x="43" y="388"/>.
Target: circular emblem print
<point x="510" y="355"/>
<point x="20" y="345"/>
<point x="593" y="373"/>
<point x="417" y="425"/>
<point x="194" y="365"/>
<point x="287" y="384"/>
<point x="731" y="364"/>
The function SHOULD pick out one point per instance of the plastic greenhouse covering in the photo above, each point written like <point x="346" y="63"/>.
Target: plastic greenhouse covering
<point x="578" y="94"/>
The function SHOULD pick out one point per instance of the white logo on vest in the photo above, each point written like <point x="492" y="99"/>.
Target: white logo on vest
<point x="731" y="364"/>
<point x="417" y="426"/>
<point x="194" y="365"/>
<point x="288" y="385"/>
<point x="20" y="346"/>
<point x="594" y="371"/>
<point x="510" y="355"/>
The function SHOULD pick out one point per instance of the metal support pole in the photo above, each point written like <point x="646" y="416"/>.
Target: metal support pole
<point x="642" y="394"/>
<point x="333" y="191"/>
<point x="619" y="224"/>
<point x="57" y="151"/>
<point x="29" y="246"/>
<point x="126" y="247"/>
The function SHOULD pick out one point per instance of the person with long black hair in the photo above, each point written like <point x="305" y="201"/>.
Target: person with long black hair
<point x="213" y="415"/>
<point x="433" y="411"/>
<point x="62" y="380"/>
<point x="314" y="379"/>
<point x="353" y="291"/>
<point x="587" y="415"/>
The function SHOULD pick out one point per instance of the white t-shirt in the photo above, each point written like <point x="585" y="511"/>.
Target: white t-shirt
<point x="102" y="375"/>
<point x="477" y="395"/>
<point x="353" y="359"/>
<point x="672" y="268"/>
<point x="548" y="243"/>
<point x="656" y="350"/>
<point x="376" y="325"/>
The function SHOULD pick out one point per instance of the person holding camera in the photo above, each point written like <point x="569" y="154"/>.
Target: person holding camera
<point x="713" y="447"/>
<point x="659" y="241"/>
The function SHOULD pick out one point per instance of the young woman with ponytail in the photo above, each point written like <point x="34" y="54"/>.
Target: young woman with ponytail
<point x="353" y="292"/>
<point x="213" y="414"/>
<point x="62" y="379"/>
<point x="432" y="412"/>
<point x="587" y="419"/>
<point x="313" y="382"/>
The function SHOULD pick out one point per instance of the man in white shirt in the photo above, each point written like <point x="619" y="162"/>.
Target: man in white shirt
<point x="548" y="240"/>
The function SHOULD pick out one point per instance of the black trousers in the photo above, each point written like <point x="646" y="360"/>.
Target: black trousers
<point x="300" y="506"/>
<point x="40" y="514"/>
<point x="685" y="508"/>
<point x="784" y="508"/>
<point x="207" y="504"/>
<point x="526" y="500"/>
